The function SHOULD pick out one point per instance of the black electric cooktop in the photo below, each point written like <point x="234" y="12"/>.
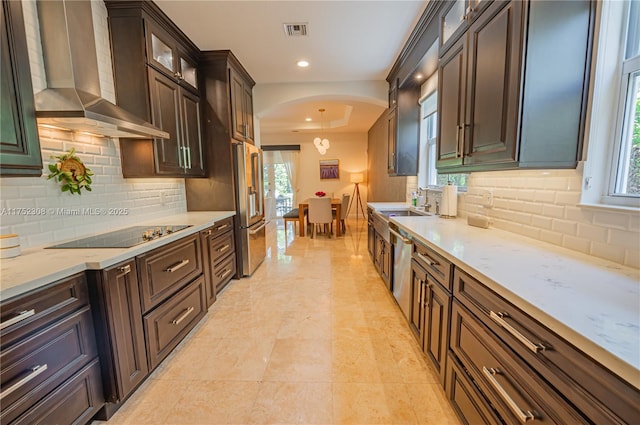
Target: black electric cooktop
<point x="125" y="238"/>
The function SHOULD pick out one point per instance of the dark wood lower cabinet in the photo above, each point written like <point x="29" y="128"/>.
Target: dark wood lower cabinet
<point x="466" y="399"/>
<point x="166" y="325"/>
<point x="436" y="325"/>
<point x="74" y="402"/>
<point x="49" y="367"/>
<point x="515" y="391"/>
<point x="115" y="296"/>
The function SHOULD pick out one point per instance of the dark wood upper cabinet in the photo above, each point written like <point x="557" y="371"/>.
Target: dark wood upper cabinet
<point x="155" y="67"/>
<point x="227" y="111"/>
<point x="19" y="144"/>
<point x="512" y="88"/>
<point x="241" y="107"/>
<point x="403" y="131"/>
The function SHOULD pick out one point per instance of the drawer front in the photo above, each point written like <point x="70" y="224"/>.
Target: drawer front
<point x="223" y="272"/>
<point x="515" y="391"/>
<point x="466" y="399"/>
<point x="37" y="364"/>
<point x="222" y="226"/>
<point x="171" y="321"/>
<point x="75" y="402"/>
<point x="599" y="394"/>
<point x="221" y="247"/>
<point x="25" y="314"/>
<point x="166" y="269"/>
<point x="434" y="263"/>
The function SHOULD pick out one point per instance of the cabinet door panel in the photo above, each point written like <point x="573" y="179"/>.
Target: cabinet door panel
<point x="436" y="327"/>
<point x="492" y="96"/>
<point x="165" y="113"/>
<point x="192" y="135"/>
<point x="392" y="131"/>
<point x="451" y="99"/>
<point x="237" y="109"/>
<point x="19" y="144"/>
<point x="248" y="110"/>
<point x="418" y="279"/>
<point x="123" y="298"/>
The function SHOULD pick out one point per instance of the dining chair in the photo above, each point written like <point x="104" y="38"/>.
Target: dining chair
<point x="292" y="216"/>
<point x="320" y="213"/>
<point x="344" y="205"/>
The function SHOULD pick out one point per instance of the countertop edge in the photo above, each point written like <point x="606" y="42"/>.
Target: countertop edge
<point x="626" y="371"/>
<point x="114" y="257"/>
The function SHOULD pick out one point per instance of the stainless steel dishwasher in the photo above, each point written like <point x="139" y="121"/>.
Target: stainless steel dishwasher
<point x="402" y="243"/>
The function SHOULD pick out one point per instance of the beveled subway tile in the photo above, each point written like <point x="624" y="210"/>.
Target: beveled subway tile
<point x="293" y="403"/>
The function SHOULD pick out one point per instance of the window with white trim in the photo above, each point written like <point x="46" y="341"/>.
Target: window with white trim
<point x="428" y="174"/>
<point x="625" y="176"/>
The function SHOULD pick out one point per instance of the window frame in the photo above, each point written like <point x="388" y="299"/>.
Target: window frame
<point x="602" y="135"/>
<point x="625" y="68"/>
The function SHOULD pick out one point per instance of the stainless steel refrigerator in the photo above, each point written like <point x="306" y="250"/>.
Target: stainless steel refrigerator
<point x="251" y="246"/>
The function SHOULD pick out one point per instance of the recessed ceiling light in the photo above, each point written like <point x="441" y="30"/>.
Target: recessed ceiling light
<point x="419" y="76"/>
<point x="308" y="119"/>
<point x="303" y="64"/>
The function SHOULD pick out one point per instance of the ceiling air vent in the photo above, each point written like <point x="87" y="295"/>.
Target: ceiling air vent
<point x="298" y="29"/>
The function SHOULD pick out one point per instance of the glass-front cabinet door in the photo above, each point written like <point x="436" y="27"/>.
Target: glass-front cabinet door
<point x="455" y="19"/>
<point x="167" y="56"/>
<point x="188" y="72"/>
<point x="452" y="21"/>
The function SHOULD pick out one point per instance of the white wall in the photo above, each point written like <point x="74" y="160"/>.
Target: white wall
<point x="350" y="149"/>
<point x="142" y="198"/>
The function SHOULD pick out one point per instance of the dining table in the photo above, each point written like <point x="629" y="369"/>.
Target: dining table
<point x="336" y="204"/>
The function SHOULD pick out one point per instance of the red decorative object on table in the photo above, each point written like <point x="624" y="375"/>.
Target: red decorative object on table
<point x="320" y="194"/>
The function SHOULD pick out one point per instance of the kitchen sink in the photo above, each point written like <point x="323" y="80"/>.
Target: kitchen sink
<point x="404" y="213"/>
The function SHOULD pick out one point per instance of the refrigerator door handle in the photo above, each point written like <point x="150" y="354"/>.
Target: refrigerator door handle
<point x="262" y="226"/>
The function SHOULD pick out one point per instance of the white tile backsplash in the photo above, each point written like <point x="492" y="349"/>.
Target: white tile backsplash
<point x="544" y="205"/>
<point x="65" y="216"/>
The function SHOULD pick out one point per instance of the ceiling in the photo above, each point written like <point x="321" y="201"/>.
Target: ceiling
<point x="348" y="40"/>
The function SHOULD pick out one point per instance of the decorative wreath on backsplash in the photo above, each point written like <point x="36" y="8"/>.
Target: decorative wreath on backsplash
<point x="71" y="172"/>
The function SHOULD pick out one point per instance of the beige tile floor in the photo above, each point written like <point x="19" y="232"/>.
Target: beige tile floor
<point x="313" y="337"/>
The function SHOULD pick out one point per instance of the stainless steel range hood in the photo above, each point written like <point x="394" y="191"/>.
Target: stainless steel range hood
<point x="72" y="99"/>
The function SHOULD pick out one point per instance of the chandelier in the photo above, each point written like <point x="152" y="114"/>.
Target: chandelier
<point x="321" y="143"/>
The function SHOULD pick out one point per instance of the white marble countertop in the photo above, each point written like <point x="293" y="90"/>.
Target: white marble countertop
<point x="592" y="303"/>
<point x="37" y="267"/>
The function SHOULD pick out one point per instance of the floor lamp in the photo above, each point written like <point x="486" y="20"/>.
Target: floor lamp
<point x="356" y="178"/>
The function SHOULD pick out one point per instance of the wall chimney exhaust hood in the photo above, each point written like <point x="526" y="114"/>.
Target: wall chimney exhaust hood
<point x="72" y="99"/>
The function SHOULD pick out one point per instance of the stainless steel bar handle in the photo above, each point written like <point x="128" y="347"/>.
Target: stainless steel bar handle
<point x="524" y="416"/>
<point x="35" y="371"/>
<point x="426" y="259"/>
<point x="125" y="269"/>
<point x="188" y="151"/>
<point x="183" y="316"/>
<point x="224" y="226"/>
<point x="458" y="128"/>
<point x="226" y="272"/>
<point x="399" y="236"/>
<point x="177" y="266"/>
<point x="19" y="318"/>
<point x="224" y="248"/>
<point x="253" y="232"/>
<point x="499" y="319"/>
